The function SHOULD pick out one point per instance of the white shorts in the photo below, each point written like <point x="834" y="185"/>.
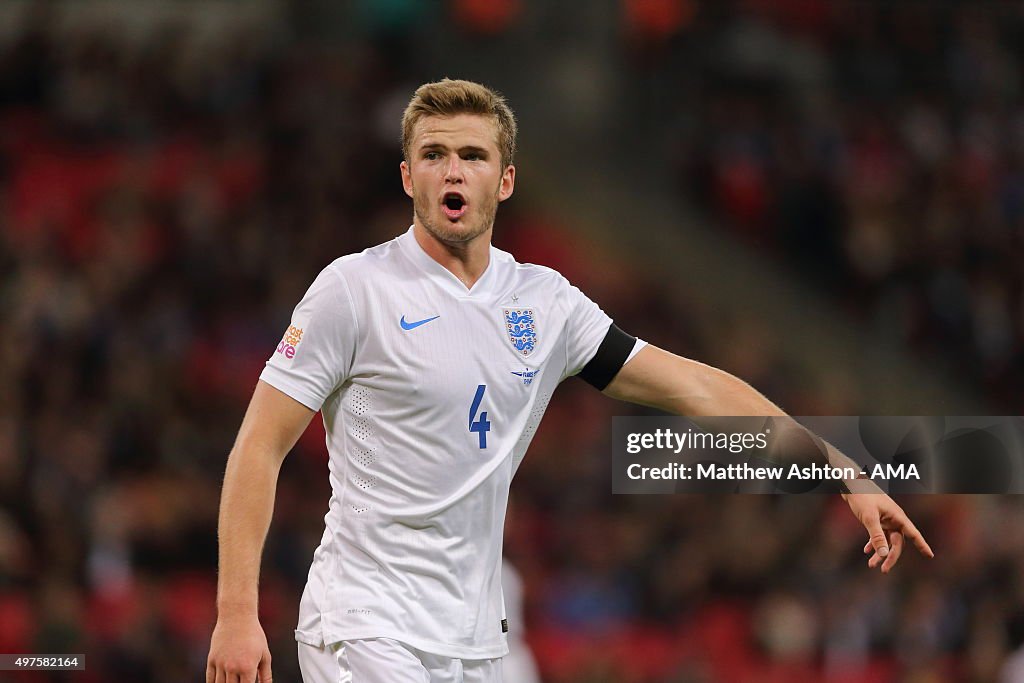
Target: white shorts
<point x="383" y="660"/>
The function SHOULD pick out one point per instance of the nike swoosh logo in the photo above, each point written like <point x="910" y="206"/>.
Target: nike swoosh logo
<point x="413" y="326"/>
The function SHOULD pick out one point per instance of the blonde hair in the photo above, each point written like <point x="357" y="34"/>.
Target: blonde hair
<point x="449" y="97"/>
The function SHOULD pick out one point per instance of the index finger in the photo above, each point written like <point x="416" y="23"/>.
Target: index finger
<point x="911" y="532"/>
<point x="902" y="523"/>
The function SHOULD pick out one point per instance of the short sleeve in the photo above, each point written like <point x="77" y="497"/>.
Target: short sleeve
<point x="586" y="328"/>
<point x="314" y="357"/>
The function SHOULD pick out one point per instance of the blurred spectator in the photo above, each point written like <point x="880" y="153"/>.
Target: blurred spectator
<point x="878" y="148"/>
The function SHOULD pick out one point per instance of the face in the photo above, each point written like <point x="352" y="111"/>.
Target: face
<point x="455" y="177"/>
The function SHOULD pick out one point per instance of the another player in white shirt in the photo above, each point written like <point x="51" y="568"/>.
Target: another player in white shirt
<point x="432" y="358"/>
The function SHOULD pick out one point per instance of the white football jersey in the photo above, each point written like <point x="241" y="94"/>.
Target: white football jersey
<point x="430" y="395"/>
<point x="518" y="666"/>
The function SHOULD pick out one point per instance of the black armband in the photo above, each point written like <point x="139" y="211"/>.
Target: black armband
<point x="610" y="357"/>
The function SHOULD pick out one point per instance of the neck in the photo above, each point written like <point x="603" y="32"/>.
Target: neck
<point x="465" y="260"/>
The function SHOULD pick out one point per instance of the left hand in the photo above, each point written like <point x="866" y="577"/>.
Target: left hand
<point x="887" y="525"/>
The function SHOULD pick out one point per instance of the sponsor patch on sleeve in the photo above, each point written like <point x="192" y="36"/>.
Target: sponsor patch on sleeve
<point x="290" y="342"/>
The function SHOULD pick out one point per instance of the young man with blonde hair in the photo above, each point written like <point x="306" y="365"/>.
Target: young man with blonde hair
<point x="432" y="358"/>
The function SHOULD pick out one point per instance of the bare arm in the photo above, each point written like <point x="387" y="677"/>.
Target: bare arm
<point x="678" y="385"/>
<point x="271" y="426"/>
<point x="663" y="380"/>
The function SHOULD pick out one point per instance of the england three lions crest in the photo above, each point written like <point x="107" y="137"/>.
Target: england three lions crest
<point x="521" y="329"/>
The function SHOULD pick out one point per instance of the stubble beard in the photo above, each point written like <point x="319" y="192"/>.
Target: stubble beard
<point x="461" y="232"/>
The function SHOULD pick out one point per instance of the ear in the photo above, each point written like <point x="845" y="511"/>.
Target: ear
<point x="508" y="183"/>
<point x="406" y="178"/>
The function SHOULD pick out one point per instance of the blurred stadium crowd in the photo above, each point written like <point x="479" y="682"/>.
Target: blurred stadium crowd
<point x="165" y="202"/>
<point x="879" y="148"/>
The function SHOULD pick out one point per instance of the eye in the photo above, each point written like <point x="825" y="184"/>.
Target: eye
<point x="472" y="156"/>
<point x="431" y="156"/>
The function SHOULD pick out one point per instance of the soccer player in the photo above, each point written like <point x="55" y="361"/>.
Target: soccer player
<point x="432" y="358"/>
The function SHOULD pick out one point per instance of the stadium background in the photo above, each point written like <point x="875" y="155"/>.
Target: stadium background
<point x="824" y="198"/>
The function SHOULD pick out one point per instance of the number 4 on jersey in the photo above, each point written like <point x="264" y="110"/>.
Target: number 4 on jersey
<point x="480" y="426"/>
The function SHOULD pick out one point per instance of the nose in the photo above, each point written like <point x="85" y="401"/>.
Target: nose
<point x="453" y="174"/>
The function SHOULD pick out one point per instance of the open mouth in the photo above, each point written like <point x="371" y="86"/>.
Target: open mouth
<point x="454" y="205"/>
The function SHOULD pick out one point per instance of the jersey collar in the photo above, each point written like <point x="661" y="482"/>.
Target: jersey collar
<point x="444" y="277"/>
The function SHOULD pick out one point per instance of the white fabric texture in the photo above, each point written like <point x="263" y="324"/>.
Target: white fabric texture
<point x="382" y="660"/>
<point x="429" y="407"/>
<point x="518" y="665"/>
